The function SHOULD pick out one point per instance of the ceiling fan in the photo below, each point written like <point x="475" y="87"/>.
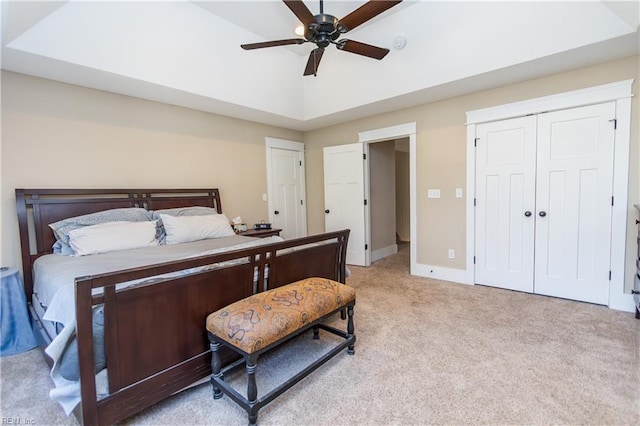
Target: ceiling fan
<point x="324" y="29"/>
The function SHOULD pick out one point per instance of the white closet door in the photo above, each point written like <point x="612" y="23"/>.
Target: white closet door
<point x="505" y="203"/>
<point x="574" y="189"/>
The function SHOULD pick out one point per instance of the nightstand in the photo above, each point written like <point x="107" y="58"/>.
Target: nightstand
<point x="16" y="334"/>
<point x="261" y="233"/>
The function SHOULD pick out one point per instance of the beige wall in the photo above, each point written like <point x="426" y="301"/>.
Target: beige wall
<point x="441" y="155"/>
<point x="60" y="135"/>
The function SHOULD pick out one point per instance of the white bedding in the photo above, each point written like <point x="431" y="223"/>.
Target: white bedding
<point x="54" y="277"/>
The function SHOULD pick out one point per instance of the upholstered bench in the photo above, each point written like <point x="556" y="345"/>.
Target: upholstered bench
<point x="258" y="323"/>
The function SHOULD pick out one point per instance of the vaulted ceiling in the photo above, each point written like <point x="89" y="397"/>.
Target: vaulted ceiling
<point x="188" y="53"/>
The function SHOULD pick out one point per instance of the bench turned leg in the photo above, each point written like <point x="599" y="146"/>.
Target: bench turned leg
<point x="316" y="333"/>
<point x="351" y="349"/>
<point x="215" y="367"/>
<point x="252" y="388"/>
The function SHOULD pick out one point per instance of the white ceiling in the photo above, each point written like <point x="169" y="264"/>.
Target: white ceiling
<point x="188" y="53"/>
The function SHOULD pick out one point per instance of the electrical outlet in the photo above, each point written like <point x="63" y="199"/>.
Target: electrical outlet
<point x="452" y="254"/>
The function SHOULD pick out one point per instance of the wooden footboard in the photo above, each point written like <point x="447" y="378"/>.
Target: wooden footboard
<point x="155" y="336"/>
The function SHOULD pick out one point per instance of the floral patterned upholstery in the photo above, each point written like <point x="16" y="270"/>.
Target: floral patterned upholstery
<point x="264" y="318"/>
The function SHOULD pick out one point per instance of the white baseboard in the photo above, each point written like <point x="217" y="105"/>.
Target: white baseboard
<point x="622" y="302"/>
<point x="441" y="273"/>
<point x="384" y="252"/>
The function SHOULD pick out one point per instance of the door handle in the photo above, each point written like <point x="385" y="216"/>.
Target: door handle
<point x="527" y="213"/>
<point x="276" y="212"/>
<point x="326" y="211"/>
<point x="542" y="213"/>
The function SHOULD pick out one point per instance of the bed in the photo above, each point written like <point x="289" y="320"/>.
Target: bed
<point x="154" y="335"/>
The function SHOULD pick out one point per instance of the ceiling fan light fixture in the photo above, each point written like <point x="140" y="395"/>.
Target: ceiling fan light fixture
<point x="299" y="30"/>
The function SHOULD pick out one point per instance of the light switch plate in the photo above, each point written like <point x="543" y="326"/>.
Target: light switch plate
<point x="458" y="192"/>
<point x="433" y="193"/>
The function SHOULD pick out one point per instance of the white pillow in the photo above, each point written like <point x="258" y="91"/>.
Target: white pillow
<point x="112" y="236"/>
<point x="183" y="229"/>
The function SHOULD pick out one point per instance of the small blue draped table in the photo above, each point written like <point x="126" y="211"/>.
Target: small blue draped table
<point x="16" y="335"/>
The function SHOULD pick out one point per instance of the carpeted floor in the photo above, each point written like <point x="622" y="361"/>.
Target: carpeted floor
<point x="427" y="352"/>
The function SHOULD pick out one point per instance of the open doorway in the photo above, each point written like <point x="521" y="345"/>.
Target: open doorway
<point x="389" y="198"/>
<point x="347" y="185"/>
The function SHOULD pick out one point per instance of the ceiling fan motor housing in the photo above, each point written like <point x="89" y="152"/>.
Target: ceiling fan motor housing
<point x="326" y="29"/>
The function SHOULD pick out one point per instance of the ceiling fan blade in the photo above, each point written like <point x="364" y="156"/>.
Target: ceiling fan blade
<point x="301" y="11"/>
<point x="362" y="49"/>
<point x="273" y="43"/>
<point x="365" y="12"/>
<point x="314" y="61"/>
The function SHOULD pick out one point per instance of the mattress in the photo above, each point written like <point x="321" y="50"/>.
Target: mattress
<point x="54" y="274"/>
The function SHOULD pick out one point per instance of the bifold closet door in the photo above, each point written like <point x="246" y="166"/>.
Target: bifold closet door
<point x="505" y="203"/>
<point x="573" y="203"/>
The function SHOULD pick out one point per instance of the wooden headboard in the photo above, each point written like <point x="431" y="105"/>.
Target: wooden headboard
<point x="37" y="208"/>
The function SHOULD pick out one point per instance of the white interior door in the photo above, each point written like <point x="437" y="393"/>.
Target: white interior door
<point x="344" y="197"/>
<point x="574" y="203"/>
<point x="286" y="187"/>
<point x="505" y="203"/>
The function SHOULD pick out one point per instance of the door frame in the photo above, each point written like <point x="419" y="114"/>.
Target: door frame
<point x="619" y="92"/>
<point x="270" y="144"/>
<point x="385" y="134"/>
